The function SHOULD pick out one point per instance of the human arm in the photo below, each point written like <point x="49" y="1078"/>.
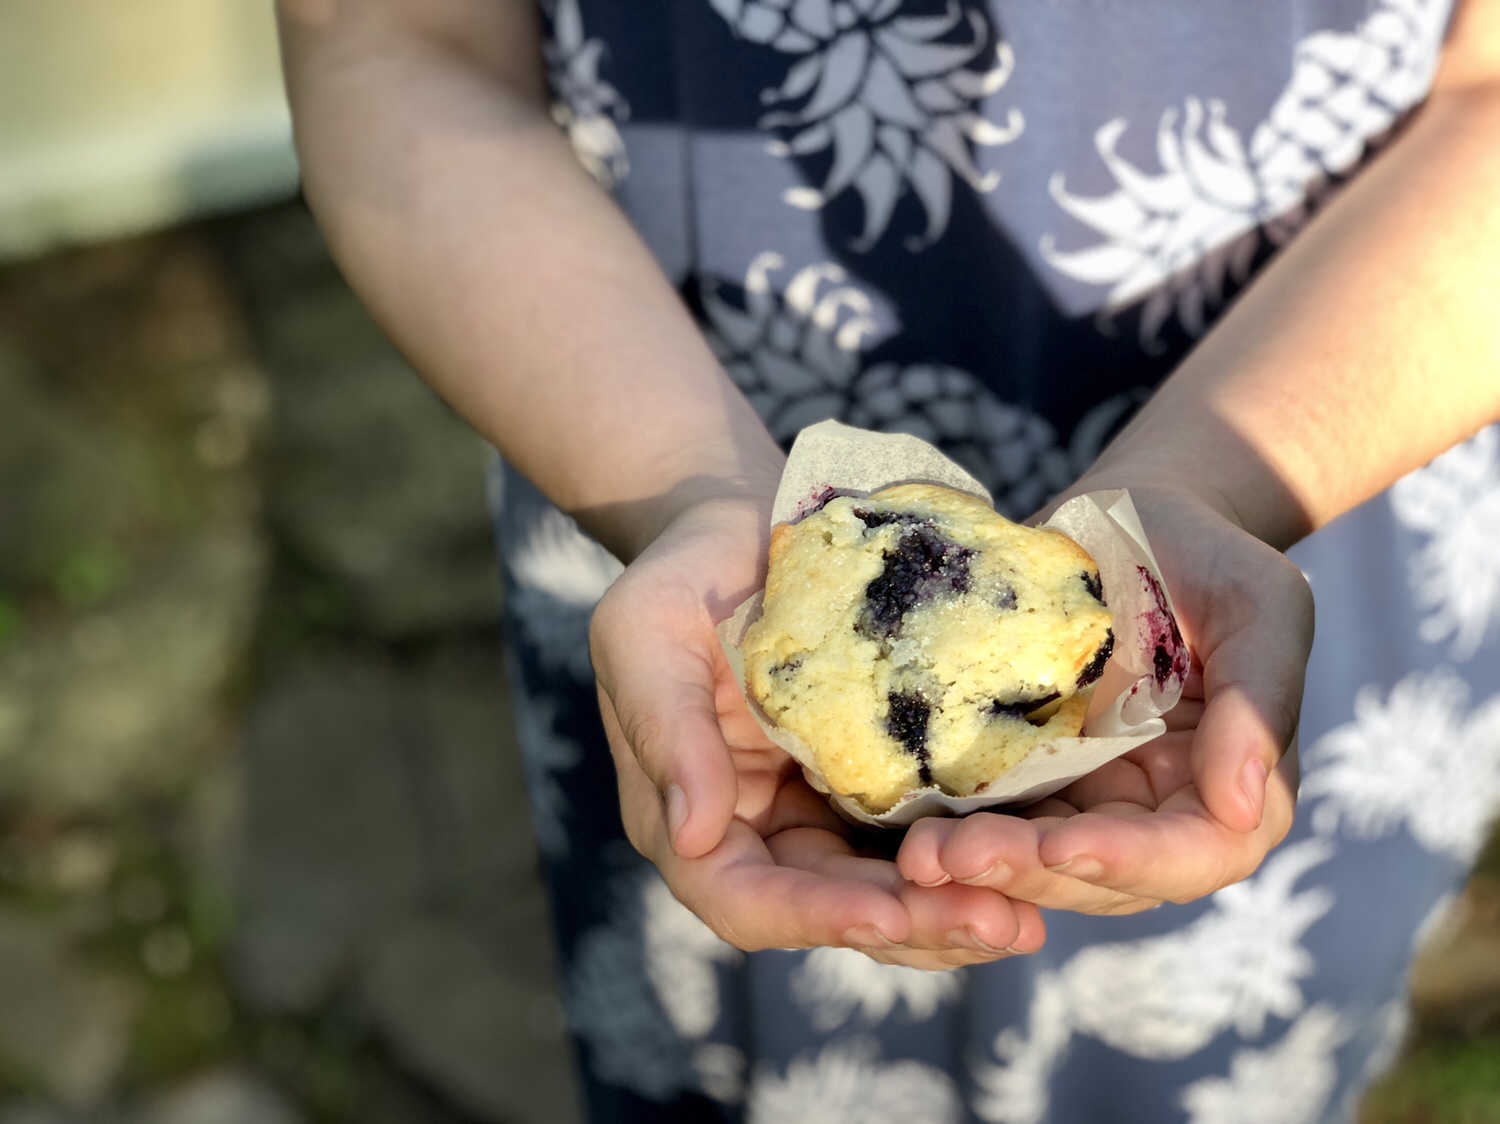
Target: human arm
<point x="1365" y="349"/>
<point x="517" y="289"/>
<point x="461" y="218"/>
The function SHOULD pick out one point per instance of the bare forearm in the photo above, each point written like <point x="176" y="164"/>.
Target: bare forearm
<point x="508" y="278"/>
<point x="1369" y="346"/>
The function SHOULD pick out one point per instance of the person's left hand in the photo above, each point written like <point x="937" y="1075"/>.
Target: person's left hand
<point x="1195" y="809"/>
<point x="737" y="833"/>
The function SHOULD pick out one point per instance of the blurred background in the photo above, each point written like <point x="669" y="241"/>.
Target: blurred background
<point x="263" y="855"/>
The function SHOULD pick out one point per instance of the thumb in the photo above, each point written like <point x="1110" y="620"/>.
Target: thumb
<point x="658" y="708"/>
<point x="1253" y="679"/>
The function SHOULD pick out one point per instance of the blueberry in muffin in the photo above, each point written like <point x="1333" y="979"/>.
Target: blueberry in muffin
<point x="914" y="638"/>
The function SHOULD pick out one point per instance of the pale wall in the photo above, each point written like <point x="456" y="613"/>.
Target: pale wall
<point x="123" y="115"/>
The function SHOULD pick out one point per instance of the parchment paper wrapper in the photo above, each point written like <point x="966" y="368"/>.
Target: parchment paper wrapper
<point x="1144" y="676"/>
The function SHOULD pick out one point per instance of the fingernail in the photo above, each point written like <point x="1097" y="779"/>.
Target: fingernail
<point x="867" y="936"/>
<point x="998" y="873"/>
<point x="943" y="881"/>
<point x="1083" y="867"/>
<point x="965" y="938"/>
<point x="677" y="811"/>
<point x="1253" y="785"/>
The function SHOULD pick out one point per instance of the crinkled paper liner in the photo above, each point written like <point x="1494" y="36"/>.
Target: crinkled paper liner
<point x="1142" y="680"/>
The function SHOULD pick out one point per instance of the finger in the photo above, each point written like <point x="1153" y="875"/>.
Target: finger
<point x="748" y="900"/>
<point x="931" y="960"/>
<point x="1186" y="715"/>
<point x="971" y="919"/>
<point x="793" y="803"/>
<point x="819" y="852"/>
<point x="1252" y="675"/>
<point x="1124" y="779"/>
<point x="1178" y="853"/>
<point x="1145" y="776"/>
<point x="1166" y="763"/>
<point x="919" y="858"/>
<point x="951" y="917"/>
<point x="1054" y="807"/>
<point x="756" y="903"/>
<point x="1002" y="853"/>
<point x="660" y="702"/>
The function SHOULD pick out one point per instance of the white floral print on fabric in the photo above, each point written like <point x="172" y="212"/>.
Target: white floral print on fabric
<point x="833" y="983"/>
<point x="721" y="1071"/>
<point x="797" y="354"/>
<point x="848" y="1083"/>
<point x="558" y="575"/>
<point x="681" y="952"/>
<point x="896" y="100"/>
<point x="1455" y="503"/>
<point x="544" y="754"/>
<point x="611" y="1007"/>
<point x="1289" y="1082"/>
<point x="1164" y="998"/>
<point x="1419" y="759"/>
<point x="643" y="995"/>
<point x="1178" y="238"/>
<point x="587" y="108"/>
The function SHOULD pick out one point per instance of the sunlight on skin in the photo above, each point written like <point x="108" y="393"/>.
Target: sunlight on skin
<point x="1140" y="831"/>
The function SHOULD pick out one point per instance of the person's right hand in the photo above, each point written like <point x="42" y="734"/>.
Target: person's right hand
<point x="1197" y="808"/>
<point x="738" y="834"/>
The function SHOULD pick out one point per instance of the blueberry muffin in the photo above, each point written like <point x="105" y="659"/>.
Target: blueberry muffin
<point x="915" y="638"/>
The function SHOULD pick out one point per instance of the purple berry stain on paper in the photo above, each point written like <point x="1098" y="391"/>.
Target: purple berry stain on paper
<point x="816" y="500"/>
<point x="1170" y="659"/>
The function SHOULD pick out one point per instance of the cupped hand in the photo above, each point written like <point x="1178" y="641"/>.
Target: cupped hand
<point x="1197" y="808"/>
<point x="738" y="834"/>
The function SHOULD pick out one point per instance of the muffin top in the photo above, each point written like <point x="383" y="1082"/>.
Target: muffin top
<point x="915" y="638"/>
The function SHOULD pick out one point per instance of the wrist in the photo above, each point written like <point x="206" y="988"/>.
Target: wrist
<point x="697" y="460"/>
<point x="1206" y="460"/>
<point x="628" y="528"/>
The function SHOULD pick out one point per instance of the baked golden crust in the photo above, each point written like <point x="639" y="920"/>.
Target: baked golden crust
<point x="916" y="638"/>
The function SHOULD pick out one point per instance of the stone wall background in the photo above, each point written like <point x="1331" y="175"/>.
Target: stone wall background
<point x="263" y="858"/>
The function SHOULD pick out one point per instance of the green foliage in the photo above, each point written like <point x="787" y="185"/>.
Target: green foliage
<point x="1441" y="1082"/>
<point x="90" y="574"/>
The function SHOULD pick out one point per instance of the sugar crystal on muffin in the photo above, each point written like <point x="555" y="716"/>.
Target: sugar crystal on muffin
<point x="915" y="639"/>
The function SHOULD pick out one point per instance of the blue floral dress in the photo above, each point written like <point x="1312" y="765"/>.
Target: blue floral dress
<point x="997" y="224"/>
